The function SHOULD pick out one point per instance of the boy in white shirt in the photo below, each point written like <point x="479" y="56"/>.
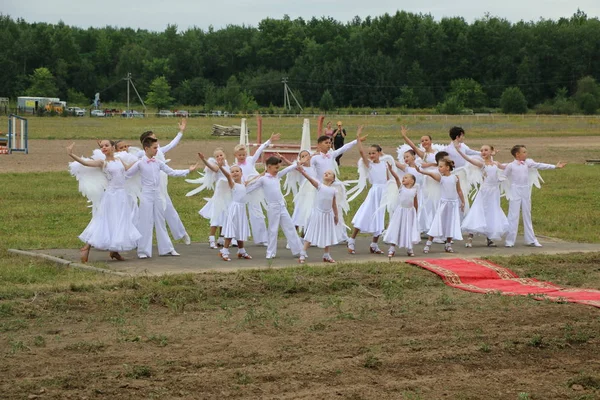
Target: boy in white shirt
<point x="153" y="201"/>
<point x="520" y="195"/>
<point x="457" y="135"/>
<point x="277" y="212"/>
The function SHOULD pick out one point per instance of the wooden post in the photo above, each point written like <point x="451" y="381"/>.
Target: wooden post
<point x="320" y="125"/>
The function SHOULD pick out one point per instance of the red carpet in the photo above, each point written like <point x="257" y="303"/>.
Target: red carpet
<point x="479" y="276"/>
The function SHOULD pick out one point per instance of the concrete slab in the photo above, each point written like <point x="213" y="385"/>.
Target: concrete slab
<point x="198" y="258"/>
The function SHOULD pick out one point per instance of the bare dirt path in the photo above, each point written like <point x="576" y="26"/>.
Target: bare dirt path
<point x="50" y="155"/>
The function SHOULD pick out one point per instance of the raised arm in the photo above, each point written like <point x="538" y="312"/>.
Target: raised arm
<point x="177" y="138"/>
<point x="362" y="153"/>
<point x="212" y="166"/>
<point x="433" y="175"/>
<point x="350" y="145"/>
<point x="400" y="165"/>
<point x="476" y="163"/>
<point x="394" y="174"/>
<point x="308" y="177"/>
<point x="87" y="163"/>
<point x="283" y="159"/>
<point x="227" y="175"/>
<point x="404" y="131"/>
<point x="274" y="137"/>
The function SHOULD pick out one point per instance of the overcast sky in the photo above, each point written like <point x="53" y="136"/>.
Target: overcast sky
<point x="157" y="14"/>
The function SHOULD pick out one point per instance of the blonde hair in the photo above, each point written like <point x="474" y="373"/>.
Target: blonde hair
<point x="239" y="147"/>
<point x="215" y="151"/>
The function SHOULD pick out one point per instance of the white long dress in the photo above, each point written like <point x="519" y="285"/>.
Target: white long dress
<point x="447" y="220"/>
<point x="486" y="216"/>
<point x="321" y="230"/>
<point x="301" y="212"/>
<point x="208" y="211"/>
<point x="369" y="217"/>
<point x="112" y="226"/>
<point x="402" y="230"/>
<point x="236" y="220"/>
<point x="429" y="201"/>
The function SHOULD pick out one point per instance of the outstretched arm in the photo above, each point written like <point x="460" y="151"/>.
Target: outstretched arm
<point x="213" y="167"/>
<point x="433" y="175"/>
<point x="476" y="163"/>
<point x="177" y="138"/>
<point x="227" y="175"/>
<point x="542" y="166"/>
<point x="283" y="159"/>
<point x="308" y="177"/>
<point x="87" y="163"/>
<point x="404" y="131"/>
<point x="400" y="165"/>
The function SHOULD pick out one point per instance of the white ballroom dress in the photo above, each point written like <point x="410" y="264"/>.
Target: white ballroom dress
<point x="112" y="226"/>
<point x="402" y="229"/>
<point x="236" y="220"/>
<point x="447" y="219"/>
<point x="321" y="230"/>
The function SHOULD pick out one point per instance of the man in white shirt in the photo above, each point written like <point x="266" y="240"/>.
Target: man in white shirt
<point x="520" y="195"/>
<point x="153" y="201"/>
<point x="171" y="216"/>
<point x="277" y="212"/>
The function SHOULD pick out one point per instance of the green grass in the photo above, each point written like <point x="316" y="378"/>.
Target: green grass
<point x="385" y="128"/>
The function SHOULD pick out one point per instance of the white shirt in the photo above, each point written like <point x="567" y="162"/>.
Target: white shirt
<point x="248" y="167"/>
<point x="150" y="168"/>
<point x="323" y="162"/>
<point x="270" y="185"/>
<point x="457" y="158"/>
<point x="518" y="171"/>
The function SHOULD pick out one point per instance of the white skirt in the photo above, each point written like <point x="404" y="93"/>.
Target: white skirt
<point x="321" y="230"/>
<point x="236" y="222"/>
<point x="486" y="216"/>
<point x="370" y="215"/>
<point x="446" y="222"/>
<point x="208" y="213"/>
<point x="112" y="227"/>
<point x="402" y="230"/>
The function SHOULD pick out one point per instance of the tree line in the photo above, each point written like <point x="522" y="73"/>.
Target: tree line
<point x="400" y="60"/>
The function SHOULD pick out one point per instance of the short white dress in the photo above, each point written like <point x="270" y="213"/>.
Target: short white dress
<point x="447" y="220"/>
<point x="369" y="217"/>
<point x="485" y="217"/>
<point x="402" y="230"/>
<point x="112" y="226"/>
<point x="216" y="218"/>
<point x="321" y="230"/>
<point x="235" y="223"/>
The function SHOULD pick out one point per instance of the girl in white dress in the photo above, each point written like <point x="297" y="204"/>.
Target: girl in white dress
<point x="402" y="229"/>
<point x="369" y="217"/>
<point x="235" y="224"/>
<point x="306" y="192"/>
<point x="216" y="218"/>
<point x="112" y="226"/>
<point x="446" y="222"/>
<point x="485" y="217"/>
<point x="321" y="229"/>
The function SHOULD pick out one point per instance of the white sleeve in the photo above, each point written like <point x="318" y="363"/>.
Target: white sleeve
<point x="173" y="143"/>
<point x="133" y="169"/>
<point x="470" y="152"/>
<point x="537" y="165"/>
<point x="284" y="172"/>
<point x="344" y="148"/>
<point x="259" y="151"/>
<point x="172" y="172"/>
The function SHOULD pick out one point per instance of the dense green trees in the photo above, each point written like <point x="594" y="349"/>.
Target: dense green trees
<point x="404" y="59"/>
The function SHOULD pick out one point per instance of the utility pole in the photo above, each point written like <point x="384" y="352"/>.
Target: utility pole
<point x="286" y="95"/>
<point x="130" y="81"/>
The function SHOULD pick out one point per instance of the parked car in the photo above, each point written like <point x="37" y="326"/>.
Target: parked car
<point x="165" y="113"/>
<point x="97" y="113"/>
<point x="182" y="113"/>
<point x="132" y="114"/>
<point x="76" y="111"/>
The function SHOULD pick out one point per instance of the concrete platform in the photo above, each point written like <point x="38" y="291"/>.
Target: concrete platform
<point x="197" y="257"/>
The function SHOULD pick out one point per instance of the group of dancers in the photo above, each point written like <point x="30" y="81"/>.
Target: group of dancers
<point x="427" y="191"/>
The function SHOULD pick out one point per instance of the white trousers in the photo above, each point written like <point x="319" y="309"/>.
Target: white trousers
<point x="152" y="215"/>
<point x="520" y="202"/>
<point x="279" y="216"/>
<point x="173" y="220"/>
<point x="257" y="223"/>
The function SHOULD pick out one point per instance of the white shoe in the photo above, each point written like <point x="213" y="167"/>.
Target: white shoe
<point x="213" y="245"/>
<point x="186" y="239"/>
<point x="220" y="241"/>
<point x="234" y="243"/>
<point x="535" y="244"/>
<point x="287" y="246"/>
<point x="508" y="245"/>
<point x="171" y="253"/>
<point x="142" y="256"/>
<point x="439" y="241"/>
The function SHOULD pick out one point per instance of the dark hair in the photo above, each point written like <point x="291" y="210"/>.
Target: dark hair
<point x="448" y="162"/>
<point x="323" y="138"/>
<point x="440" y="155"/>
<point x="273" y="161"/>
<point x="148" y="142"/>
<point x="112" y="143"/>
<point x="144" y="135"/>
<point x="411" y="151"/>
<point x="377" y="147"/>
<point x="516" y="149"/>
<point x="429" y="136"/>
<point x="456" y="131"/>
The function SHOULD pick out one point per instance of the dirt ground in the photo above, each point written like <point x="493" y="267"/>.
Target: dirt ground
<point x="50" y="155"/>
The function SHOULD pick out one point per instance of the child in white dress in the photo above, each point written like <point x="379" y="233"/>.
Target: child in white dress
<point x="112" y="227"/>
<point x="369" y="217"/>
<point x="216" y="218"/>
<point x="446" y="222"/>
<point x="520" y="194"/>
<point x="235" y="225"/>
<point x="321" y="229"/>
<point x="402" y="229"/>
<point x="305" y="193"/>
<point x="485" y="217"/>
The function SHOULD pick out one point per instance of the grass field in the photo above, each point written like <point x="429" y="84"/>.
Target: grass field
<point x="349" y="331"/>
